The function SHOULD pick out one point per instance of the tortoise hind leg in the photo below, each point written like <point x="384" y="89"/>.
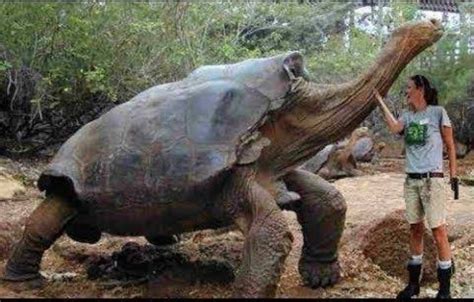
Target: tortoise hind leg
<point x="43" y="227"/>
<point x="321" y="213"/>
<point x="83" y="230"/>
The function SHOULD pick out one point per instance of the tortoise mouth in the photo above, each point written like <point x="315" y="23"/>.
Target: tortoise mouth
<point x="299" y="72"/>
<point x="436" y="24"/>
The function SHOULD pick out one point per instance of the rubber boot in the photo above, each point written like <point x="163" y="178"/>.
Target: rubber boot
<point x="413" y="287"/>
<point x="444" y="278"/>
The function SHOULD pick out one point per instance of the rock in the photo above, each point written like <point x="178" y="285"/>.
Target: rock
<point x="60" y="277"/>
<point x="9" y="187"/>
<point x="363" y="149"/>
<point x="461" y="114"/>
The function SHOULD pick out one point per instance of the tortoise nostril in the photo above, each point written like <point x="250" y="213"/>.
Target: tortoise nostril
<point x="435" y="22"/>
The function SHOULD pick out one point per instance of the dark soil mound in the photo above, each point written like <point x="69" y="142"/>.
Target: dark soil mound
<point x="386" y="242"/>
<point x="148" y="262"/>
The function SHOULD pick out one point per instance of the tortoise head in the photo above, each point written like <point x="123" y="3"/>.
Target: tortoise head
<point x="416" y="36"/>
<point x="270" y="76"/>
<point x="293" y="65"/>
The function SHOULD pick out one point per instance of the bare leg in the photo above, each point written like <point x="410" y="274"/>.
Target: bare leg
<point x="416" y="238"/>
<point x="440" y="235"/>
<point x="43" y="227"/>
<point x="267" y="237"/>
<point x="321" y="215"/>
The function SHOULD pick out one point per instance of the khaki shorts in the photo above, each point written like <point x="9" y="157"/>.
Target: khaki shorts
<point x="426" y="197"/>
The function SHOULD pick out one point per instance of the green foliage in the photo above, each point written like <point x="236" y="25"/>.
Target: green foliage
<point x="452" y="78"/>
<point x="329" y="65"/>
<point x="114" y="50"/>
<point x="5" y="65"/>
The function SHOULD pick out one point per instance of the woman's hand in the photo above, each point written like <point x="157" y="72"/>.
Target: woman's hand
<point x="394" y="125"/>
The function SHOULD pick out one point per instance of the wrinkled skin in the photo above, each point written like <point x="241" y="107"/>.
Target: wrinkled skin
<point x="322" y="213"/>
<point x="208" y="152"/>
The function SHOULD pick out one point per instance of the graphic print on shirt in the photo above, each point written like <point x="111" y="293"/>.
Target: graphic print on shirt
<point x="416" y="134"/>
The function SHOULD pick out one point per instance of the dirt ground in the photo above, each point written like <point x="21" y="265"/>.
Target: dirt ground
<point x="373" y="249"/>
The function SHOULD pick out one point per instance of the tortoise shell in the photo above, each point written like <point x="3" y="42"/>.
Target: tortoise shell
<point x="171" y="139"/>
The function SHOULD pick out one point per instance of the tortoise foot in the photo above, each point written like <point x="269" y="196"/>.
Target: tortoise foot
<point x="13" y="274"/>
<point x="318" y="274"/>
<point x="18" y="283"/>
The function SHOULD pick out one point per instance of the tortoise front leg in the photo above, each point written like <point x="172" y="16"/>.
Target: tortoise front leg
<point x="268" y="238"/>
<point x="321" y="213"/>
<point x="43" y="227"/>
<point x="267" y="244"/>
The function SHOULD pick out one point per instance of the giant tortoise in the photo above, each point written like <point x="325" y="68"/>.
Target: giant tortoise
<point x="207" y="152"/>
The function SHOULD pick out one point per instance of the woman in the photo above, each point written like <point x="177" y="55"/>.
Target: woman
<point x="425" y="127"/>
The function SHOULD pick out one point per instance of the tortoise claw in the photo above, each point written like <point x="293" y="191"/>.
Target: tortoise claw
<point x="319" y="274"/>
<point x="21" y="282"/>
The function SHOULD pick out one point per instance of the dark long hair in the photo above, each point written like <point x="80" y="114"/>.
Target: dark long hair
<point x="431" y="94"/>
